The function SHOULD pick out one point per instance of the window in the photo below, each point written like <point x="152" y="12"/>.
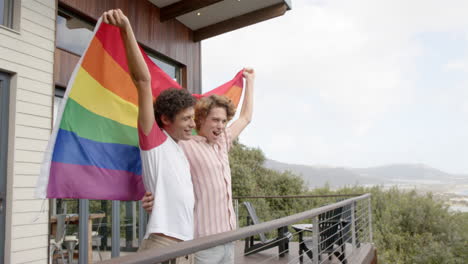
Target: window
<point x="6" y="13"/>
<point x="170" y="68"/>
<point x="58" y="98"/>
<point x="4" y="104"/>
<point x="74" y="34"/>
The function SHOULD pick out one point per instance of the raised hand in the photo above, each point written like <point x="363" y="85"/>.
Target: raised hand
<point x="249" y="73"/>
<point x="116" y="17"/>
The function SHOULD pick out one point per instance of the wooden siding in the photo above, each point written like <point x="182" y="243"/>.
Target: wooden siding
<point x="170" y="38"/>
<point x="29" y="55"/>
<point x="65" y="62"/>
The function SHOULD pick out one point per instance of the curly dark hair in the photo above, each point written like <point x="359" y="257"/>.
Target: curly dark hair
<point x="170" y="102"/>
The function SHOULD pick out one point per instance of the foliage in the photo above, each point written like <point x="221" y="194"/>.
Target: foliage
<point x="407" y="227"/>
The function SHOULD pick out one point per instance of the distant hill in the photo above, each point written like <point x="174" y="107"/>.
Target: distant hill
<point x="317" y="176"/>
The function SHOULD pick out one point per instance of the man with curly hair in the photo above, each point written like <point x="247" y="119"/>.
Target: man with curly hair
<point x="207" y="153"/>
<point x="166" y="170"/>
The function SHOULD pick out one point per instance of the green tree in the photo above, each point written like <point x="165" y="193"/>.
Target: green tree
<point x="407" y="227"/>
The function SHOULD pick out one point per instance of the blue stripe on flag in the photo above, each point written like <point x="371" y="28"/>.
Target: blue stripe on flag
<point x="72" y="149"/>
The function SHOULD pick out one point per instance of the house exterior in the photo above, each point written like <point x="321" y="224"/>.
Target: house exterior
<point x="40" y="44"/>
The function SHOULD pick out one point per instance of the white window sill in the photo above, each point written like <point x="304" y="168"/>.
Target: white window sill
<point x="2" y="27"/>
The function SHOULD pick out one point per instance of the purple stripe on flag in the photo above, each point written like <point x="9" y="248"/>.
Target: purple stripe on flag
<point x="91" y="182"/>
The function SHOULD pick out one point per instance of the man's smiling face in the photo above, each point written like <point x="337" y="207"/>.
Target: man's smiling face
<point x="214" y="124"/>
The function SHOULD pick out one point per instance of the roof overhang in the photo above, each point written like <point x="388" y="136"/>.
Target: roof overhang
<point x="209" y="18"/>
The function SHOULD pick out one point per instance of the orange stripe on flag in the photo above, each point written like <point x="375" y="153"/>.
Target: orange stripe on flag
<point x="104" y="69"/>
<point x="234" y="93"/>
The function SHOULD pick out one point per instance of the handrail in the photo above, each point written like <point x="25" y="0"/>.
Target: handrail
<point x="297" y="196"/>
<point x="192" y="246"/>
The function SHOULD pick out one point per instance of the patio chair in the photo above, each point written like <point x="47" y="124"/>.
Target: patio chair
<point x="96" y="237"/>
<point x="346" y="223"/>
<point x="56" y="244"/>
<point x="331" y="233"/>
<point x="281" y="241"/>
<point x="70" y="242"/>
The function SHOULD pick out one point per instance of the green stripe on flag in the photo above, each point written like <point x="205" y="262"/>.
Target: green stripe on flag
<point x="88" y="125"/>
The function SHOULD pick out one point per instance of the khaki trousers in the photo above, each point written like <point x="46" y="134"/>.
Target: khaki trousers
<point x="157" y="242"/>
<point x="223" y="254"/>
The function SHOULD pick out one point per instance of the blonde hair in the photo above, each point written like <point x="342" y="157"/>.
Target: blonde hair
<point x="205" y="104"/>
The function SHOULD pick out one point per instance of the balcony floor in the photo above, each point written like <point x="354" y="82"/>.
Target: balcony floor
<point x="364" y="254"/>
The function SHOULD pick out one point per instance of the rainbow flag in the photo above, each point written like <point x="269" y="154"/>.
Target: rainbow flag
<point x="93" y="151"/>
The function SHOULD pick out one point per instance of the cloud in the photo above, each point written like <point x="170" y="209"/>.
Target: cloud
<point x="456" y="66"/>
<point x="316" y="51"/>
<point x="330" y="72"/>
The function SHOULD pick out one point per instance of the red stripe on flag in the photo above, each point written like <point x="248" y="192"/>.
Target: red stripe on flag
<point x="112" y="42"/>
<point x="231" y="89"/>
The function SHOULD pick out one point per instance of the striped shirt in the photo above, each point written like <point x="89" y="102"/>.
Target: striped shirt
<point x="211" y="177"/>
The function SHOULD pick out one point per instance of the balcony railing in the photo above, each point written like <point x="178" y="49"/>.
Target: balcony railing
<point x="341" y="230"/>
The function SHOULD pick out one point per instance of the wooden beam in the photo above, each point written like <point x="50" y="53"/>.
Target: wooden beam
<point x="240" y="21"/>
<point x="183" y="7"/>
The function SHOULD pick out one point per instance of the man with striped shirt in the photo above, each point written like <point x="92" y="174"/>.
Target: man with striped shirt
<point x="207" y="153"/>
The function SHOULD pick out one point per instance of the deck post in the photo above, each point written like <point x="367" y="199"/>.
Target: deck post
<point x="353" y="224"/>
<point x="315" y="238"/>
<point x="83" y="254"/>
<point x="370" y="219"/>
<point x="115" y="241"/>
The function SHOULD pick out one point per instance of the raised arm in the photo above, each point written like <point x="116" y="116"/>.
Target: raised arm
<point x="247" y="105"/>
<point x="138" y="69"/>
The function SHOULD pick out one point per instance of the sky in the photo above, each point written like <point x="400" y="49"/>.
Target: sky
<point x="357" y="83"/>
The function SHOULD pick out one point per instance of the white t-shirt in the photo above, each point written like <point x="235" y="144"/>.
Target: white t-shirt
<point x="166" y="173"/>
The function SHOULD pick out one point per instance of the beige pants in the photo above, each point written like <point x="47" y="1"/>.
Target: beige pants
<point x="154" y="242"/>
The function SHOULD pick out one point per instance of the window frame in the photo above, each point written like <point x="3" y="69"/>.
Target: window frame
<point x="8" y="14"/>
<point x="4" y="127"/>
<point x="66" y="14"/>
<point x="150" y="52"/>
<point x="178" y="67"/>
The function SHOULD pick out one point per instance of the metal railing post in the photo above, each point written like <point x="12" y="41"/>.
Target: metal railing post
<point x="315" y="238"/>
<point x="141" y="223"/>
<point x="127" y="227"/>
<point x="370" y="219"/>
<point x="115" y="242"/>
<point x="353" y="224"/>
<point x="83" y="231"/>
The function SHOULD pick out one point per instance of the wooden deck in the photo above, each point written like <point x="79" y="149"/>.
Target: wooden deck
<point x="362" y="255"/>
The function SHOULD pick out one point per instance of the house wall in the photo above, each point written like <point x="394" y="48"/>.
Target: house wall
<point x="27" y="53"/>
<point x="170" y="38"/>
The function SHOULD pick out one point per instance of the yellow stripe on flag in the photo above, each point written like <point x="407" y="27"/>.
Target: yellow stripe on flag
<point x="105" y="70"/>
<point x="93" y="96"/>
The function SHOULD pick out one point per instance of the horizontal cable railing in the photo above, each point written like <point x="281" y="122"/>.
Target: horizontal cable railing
<point x="297" y="196"/>
<point x="290" y="204"/>
<point x="336" y="230"/>
<point x="337" y="234"/>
